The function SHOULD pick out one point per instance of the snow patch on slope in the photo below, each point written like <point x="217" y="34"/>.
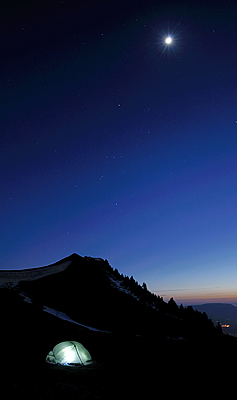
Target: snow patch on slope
<point x="13" y="277"/>
<point x="60" y="314"/>
<point x="65" y="317"/>
<point x="119" y="286"/>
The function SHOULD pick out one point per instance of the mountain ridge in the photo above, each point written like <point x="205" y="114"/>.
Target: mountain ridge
<point x="224" y="310"/>
<point x="84" y="279"/>
<point x="91" y="292"/>
<point x="13" y="277"/>
<point x="161" y="343"/>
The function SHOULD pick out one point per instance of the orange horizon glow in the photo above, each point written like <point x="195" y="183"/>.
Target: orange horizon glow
<point x="200" y="298"/>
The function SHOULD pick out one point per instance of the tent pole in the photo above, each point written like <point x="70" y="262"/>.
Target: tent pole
<point x="77" y="352"/>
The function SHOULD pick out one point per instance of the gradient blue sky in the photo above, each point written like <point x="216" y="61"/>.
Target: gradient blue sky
<point x="114" y="145"/>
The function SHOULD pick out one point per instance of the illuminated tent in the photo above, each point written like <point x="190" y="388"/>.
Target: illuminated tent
<point x="69" y="353"/>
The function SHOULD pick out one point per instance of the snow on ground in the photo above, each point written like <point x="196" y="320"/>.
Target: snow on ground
<point x="13" y="277"/>
<point x="118" y="285"/>
<point x="27" y="299"/>
<point x="60" y="314"/>
<point x="63" y="316"/>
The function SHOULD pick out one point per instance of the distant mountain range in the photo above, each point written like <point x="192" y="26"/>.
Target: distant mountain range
<point x="218" y="311"/>
<point x="224" y="313"/>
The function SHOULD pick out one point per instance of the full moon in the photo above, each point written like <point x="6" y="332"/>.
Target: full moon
<point x="168" y="40"/>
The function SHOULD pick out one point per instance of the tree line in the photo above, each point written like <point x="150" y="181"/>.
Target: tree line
<point x="192" y="321"/>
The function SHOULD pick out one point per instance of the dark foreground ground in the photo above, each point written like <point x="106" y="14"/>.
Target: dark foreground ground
<point x="127" y="368"/>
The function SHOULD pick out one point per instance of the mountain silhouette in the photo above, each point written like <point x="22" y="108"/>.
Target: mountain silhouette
<point x="218" y="311"/>
<point x="136" y="340"/>
<point x="88" y="290"/>
<point x="223" y="313"/>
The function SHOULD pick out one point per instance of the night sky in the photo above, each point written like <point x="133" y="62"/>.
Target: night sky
<point x="116" y="145"/>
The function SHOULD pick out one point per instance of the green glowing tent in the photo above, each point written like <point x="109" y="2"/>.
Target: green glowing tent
<point x="69" y="353"/>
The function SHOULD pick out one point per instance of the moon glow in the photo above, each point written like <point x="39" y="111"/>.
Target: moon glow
<point x="168" y="40"/>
